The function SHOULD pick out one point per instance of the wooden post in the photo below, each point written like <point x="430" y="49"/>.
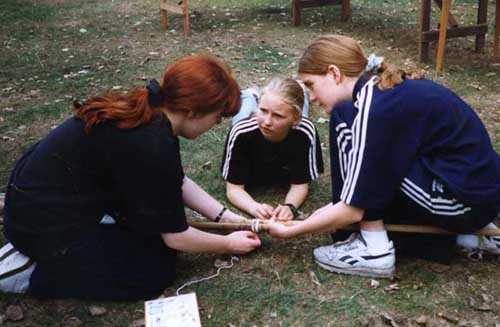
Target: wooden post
<point x="185" y="12"/>
<point x="482" y="15"/>
<point x="496" y="42"/>
<point x="425" y="23"/>
<point x="443" y="29"/>
<point x="346" y="10"/>
<point x="296" y="12"/>
<point x="451" y="19"/>
<point x="163" y="15"/>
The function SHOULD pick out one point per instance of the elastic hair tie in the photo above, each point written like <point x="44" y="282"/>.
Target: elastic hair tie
<point x="155" y="94"/>
<point x="374" y="63"/>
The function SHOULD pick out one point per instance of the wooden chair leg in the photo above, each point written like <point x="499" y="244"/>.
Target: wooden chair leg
<point x="425" y="24"/>
<point x="346" y="10"/>
<point x="482" y="15"/>
<point x="443" y="29"/>
<point x="296" y="12"/>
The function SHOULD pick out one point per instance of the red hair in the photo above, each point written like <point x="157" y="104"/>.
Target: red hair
<point x="197" y="83"/>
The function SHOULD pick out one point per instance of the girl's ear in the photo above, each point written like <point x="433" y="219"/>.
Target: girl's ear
<point x="335" y="72"/>
<point x="297" y="118"/>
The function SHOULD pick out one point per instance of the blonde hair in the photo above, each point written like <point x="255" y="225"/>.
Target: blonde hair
<point x="346" y="53"/>
<point x="289" y="90"/>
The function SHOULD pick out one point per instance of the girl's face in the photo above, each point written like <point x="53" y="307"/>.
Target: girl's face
<point x="197" y="124"/>
<point x="327" y="90"/>
<point x="275" y="117"/>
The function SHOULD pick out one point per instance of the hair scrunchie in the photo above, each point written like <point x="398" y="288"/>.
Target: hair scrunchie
<point x="374" y="63"/>
<point x="155" y="94"/>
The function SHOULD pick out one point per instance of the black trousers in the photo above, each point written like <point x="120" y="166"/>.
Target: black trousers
<point x="91" y="261"/>
<point x="107" y="262"/>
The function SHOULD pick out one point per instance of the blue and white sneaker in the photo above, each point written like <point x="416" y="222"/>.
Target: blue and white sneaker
<point x="15" y="270"/>
<point x="354" y="257"/>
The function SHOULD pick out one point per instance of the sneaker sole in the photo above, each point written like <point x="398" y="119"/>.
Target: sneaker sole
<point x="377" y="273"/>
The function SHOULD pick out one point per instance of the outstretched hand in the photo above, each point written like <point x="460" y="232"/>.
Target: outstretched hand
<point x="242" y="242"/>
<point x="278" y="230"/>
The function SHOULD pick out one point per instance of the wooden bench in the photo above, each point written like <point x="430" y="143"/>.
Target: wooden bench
<point x="449" y="27"/>
<point x="182" y="8"/>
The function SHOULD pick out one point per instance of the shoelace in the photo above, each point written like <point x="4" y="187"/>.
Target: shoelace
<point x="353" y="242"/>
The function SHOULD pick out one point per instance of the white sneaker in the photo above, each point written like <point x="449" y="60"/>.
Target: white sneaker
<point x="353" y="257"/>
<point x="15" y="270"/>
<point x="471" y="243"/>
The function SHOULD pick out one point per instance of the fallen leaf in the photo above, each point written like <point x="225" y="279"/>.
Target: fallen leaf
<point x="387" y="318"/>
<point x="392" y="287"/>
<point x="14" y="313"/>
<point x="314" y="278"/>
<point x="449" y="317"/>
<point x="483" y="307"/>
<point x="374" y="283"/>
<point x="247" y="269"/>
<point x="97" y="311"/>
<point x="487" y="298"/>
<point x="422" y="320"/>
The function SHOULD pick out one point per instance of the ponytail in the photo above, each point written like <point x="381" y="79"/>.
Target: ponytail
<point x="127" y="110"/>
<point x="197" y="83"/>
<point x="347" y="54"/>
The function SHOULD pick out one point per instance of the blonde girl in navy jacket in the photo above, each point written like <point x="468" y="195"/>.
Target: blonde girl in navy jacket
<point x="401" y="150"/>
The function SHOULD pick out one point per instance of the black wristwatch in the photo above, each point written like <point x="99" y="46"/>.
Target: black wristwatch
<point x="294" y="210"/>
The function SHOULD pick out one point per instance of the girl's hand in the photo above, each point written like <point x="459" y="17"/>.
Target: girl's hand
<point x="278" y="230"/>
<point x="242" y="242"/>
<point x="282" y="213"/>
<point x="262" y="211"/>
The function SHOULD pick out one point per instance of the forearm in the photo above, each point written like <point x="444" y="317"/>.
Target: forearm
<point x="330" y="217"/>
<point x="194" y="240"/>
<point x="240" y="198"/>
<point x="297" y="194"/>
<point x="200" y="201"/>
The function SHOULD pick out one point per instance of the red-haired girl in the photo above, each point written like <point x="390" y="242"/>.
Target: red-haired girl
<point x="119" y="155"/>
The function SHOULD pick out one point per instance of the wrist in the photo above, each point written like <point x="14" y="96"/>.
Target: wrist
<point x="293" y="209"/>
<point x="221" y="213"/>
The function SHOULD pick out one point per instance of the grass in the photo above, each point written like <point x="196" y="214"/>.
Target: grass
<point x="55" y="51"/>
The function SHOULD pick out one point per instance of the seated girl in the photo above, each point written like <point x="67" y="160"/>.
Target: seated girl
<point x="119" y="155"/>
<point x="277" y="145"/>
